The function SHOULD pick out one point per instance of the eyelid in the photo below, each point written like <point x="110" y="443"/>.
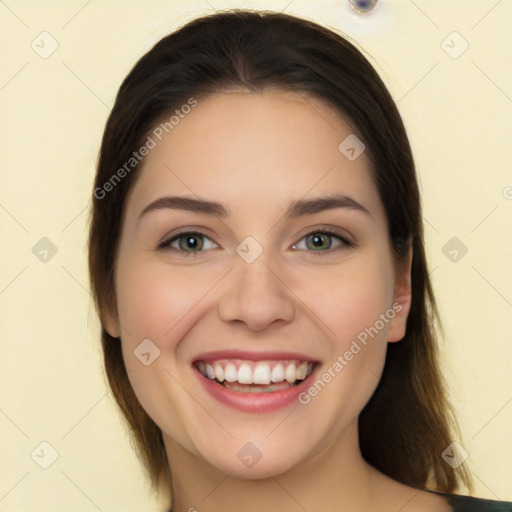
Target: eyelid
<point x="337" y="231"/>
<point x="346" y="241"/>
<point x="164" y="244"/>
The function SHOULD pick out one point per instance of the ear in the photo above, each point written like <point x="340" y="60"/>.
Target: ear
<point x="110" y="321"/>
<point x="402" y="299"/>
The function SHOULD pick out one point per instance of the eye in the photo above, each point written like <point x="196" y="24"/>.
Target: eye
<point x="321" y="241"/>
<point x="189" y="242"/>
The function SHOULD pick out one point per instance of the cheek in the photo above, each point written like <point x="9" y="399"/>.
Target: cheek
<point x="154" y="300"/>
<point x="158" y="303"/>
<point x="351" y="297"/>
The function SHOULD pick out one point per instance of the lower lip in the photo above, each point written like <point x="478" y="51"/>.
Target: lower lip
<point x="254" y="402"/>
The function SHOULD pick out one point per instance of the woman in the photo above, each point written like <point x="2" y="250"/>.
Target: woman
<point x="257" y="262"/>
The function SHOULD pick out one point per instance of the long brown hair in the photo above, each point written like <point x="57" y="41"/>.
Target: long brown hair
<point x="408" y="422"/>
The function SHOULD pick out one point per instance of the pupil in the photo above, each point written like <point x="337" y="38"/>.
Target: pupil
<point x="191" y="242"/>
<point x="320" y="241"/>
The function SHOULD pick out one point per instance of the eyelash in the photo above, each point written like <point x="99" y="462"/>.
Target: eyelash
<point x="165" y="244"/>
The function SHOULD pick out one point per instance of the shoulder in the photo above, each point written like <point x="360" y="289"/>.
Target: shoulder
<point x="395" y="496"/>
<point x="471" y="504"/>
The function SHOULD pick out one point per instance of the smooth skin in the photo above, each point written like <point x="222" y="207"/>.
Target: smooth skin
<point x="255" y="153"/>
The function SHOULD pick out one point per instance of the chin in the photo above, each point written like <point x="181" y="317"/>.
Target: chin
<point x="265" y="467"/>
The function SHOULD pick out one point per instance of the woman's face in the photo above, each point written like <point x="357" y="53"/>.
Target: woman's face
<point x="236" y="278"/>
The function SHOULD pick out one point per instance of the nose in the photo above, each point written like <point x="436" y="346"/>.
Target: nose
<point x="256" y="295"/>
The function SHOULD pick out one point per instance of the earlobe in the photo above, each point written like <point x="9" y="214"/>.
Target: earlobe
<point x="402" y="300"/>
<point x="111" y="324"/>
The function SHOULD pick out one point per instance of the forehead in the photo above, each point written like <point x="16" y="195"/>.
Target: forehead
<point x="271" y="146"/>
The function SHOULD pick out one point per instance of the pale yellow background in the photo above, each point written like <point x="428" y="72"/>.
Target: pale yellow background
<point x="459" y="116"/>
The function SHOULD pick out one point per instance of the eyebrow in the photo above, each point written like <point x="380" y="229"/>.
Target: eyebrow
<point x="295" y="209"/>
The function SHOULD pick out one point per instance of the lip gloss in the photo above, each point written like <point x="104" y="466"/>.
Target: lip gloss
<point x="254" y="402"/>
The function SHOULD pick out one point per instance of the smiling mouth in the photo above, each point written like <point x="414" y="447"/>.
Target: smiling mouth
<point x="247" y="376"/>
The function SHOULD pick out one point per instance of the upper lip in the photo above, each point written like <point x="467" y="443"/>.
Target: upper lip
<point x="250" y="355"/>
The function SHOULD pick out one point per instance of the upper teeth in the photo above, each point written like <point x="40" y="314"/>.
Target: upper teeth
<point x="251" y="372"/>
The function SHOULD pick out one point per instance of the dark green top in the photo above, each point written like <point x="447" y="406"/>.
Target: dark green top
<point x="470" y="504"/>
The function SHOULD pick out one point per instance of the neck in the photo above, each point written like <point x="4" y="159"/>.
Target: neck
<point x="336" y="474"/>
